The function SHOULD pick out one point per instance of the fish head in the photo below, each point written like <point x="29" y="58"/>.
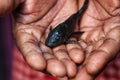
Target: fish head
<point x="54" y="39"/>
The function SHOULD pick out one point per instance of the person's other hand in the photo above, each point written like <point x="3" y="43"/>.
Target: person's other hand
<point x="101" y="27"/>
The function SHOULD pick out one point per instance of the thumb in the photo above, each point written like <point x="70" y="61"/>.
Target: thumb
<point x="7" y="6"/>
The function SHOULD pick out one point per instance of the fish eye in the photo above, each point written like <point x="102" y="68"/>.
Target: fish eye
<point x="57" y="37"/>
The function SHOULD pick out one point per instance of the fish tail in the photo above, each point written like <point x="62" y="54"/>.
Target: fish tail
<point x="84" y="7"/>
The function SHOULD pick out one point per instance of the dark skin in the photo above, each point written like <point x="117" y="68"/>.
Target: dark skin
<point x="100" y="23"/>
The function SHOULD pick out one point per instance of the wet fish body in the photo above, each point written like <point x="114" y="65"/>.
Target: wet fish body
<point x="61" y="33"/>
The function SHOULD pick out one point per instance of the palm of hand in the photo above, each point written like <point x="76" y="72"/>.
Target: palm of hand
<point x="32" y="27"/>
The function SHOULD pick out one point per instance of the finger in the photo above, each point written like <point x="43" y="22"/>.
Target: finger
<point x="107" y="51"/>
<point x="75" y="52"/>
<point x="70" y="67"/>
<point x="83" y="75"/>
<point x="38" y="11"/>
<point x="28" y="45"/>
<point x="64" y="78"/>
<point x="56" y="67"/>
<point x="7" y="6"/>
<point x="61" y="54"/>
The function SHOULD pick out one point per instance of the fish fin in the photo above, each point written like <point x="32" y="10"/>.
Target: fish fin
<point x="73" y="41"/>
<point x="77" y="33"/>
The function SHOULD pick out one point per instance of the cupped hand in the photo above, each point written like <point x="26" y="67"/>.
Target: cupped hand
<point x="100" y="23"/>
<point x="32" y="22"/>
<point x="101" y="27"/>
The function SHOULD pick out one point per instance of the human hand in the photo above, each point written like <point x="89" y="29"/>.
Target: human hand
<point x="33" y="20"/>
<point x="101" y="25"/>
<point x="32" y="25"/>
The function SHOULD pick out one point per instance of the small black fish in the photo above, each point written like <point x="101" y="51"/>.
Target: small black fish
<point x="61" y="33"/>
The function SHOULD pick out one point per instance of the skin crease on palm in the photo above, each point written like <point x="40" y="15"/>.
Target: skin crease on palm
<point x="100" y="23"/>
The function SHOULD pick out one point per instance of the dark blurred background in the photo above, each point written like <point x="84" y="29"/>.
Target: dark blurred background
<point x="6" y="48"/>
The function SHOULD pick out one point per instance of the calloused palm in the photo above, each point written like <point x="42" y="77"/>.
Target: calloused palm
<point x="101" y="26"/>
<point x="33" y="20"/>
